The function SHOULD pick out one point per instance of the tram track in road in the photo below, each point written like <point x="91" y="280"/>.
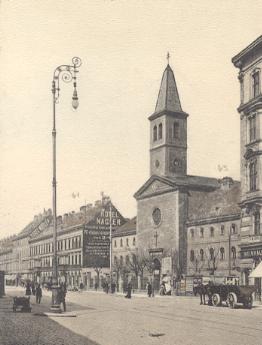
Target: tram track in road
<point x="214" y="323"/>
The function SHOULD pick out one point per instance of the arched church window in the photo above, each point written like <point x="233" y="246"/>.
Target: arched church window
<point x="155" y="133"/>
<point x="253" y="175"/>
<point x="160" y="131"/>
<point x="192" y="255"/>
<point x="176" y="130"/>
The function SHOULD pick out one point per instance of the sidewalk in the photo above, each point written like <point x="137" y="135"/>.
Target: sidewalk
<point x="34" y="328"/>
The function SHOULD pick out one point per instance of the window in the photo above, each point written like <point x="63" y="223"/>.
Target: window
<point x="115" y="260"/>
<point x="211" y="253"/>
<point x="134" y="241"/>
<point x="121" y="260"/>
<point x="222" y="253"/>
<point x="176" y="130"/>
<point x="233" y="229"/>
<point x="222" y="230"/>
<point x="201" y="232"/>
<point x="257" y="223"/>
<point x="201" y="255"/>
<point x="115" y="243"/>
<point x="255" y="84"/>
<point x="160" y="131"/>
<point x="155" y="133"/>
<point x="192" y="233"/>
<point x="233" y="253"/>
<point x="127" y="242"/>
<point x="252" y="128"/>
<point x="192" y="255"/>
<point x="212" y="232"/>
<point x="253" y="175"/>
<point x="127" y="260"/>
<point x="121" y="242"/>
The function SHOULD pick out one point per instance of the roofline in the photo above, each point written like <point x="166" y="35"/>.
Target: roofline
<point x="236" y="59"/>
<point x="214" y="219"/>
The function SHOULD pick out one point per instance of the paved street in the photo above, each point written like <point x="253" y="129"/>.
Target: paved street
<point x="114" y="320"/>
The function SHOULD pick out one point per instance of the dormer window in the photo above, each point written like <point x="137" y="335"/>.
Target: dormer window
<point x="255" y="83"/>
<point x="155" y="133"/>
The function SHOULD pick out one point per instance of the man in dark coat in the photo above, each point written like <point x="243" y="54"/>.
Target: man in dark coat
<point x="149" y="289"/>
<point x="38" y="294"/>
<point x="202" y="293"/>
<point x="63" y="296"/>
<point x="129" y="290"/>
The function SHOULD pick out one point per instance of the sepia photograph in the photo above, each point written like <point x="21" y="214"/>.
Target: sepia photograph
<point x="131" y="172"/>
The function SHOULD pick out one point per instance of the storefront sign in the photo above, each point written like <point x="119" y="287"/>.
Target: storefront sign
<point x="166" y="265"/>
<point x="250" y="253"/>
<point x="96" y="237"/>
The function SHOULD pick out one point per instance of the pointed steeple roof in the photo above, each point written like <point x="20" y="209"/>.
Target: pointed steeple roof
<point x="168" y="98"/>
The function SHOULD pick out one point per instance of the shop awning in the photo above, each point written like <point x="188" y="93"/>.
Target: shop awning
<point x="257" y="272"/>
<point x="10" y="276"/>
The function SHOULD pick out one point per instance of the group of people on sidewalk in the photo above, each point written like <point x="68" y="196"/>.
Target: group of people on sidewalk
<point x="35" y="290"/>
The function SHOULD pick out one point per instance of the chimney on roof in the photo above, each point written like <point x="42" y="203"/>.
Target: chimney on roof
<point x="226" y="182"/>
<point x="65" y="217"/>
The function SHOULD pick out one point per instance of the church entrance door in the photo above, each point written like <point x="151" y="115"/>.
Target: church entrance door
<point x="156" y="274"/>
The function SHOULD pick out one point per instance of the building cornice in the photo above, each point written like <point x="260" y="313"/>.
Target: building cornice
<point x="212" y="220"/>
<point x="237" y="59"/>
<point x="252" y="105"/>
<point x="176" y="114"/>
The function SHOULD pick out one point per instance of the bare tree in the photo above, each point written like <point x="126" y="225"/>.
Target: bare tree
<point x="97" y="266"/>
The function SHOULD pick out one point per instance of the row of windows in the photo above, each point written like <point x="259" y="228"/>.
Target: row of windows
<point x="211" y="254"/>
<point x="158" y="131"/>
<point x="73" y="259"/>
<point x="46" y="248"/>
<point x="127" y="242"/>
<point x="121" y="260"/>
<point x="232" y="230"/>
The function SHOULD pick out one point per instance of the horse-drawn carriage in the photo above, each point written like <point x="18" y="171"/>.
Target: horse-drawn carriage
<point x="22" y="303"/>
<point x="231" y="294"/>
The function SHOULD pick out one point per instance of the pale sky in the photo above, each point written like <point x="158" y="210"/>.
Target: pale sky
<point x="104" y="145"/>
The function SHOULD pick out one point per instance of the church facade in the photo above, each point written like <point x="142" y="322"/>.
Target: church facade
<point x="171" y="205"/>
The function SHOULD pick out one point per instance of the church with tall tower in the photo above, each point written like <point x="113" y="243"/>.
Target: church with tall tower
<point x="171" y="201"/>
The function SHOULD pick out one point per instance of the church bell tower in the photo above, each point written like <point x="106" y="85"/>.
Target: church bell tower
<point x="168" y="131"/>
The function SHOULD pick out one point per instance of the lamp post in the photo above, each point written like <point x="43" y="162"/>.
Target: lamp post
<point x="66" y="73"/>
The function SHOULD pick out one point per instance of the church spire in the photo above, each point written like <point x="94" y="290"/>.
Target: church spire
<point x="168" y="98"/>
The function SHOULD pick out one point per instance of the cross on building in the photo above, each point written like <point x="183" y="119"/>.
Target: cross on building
<point x="156" y="236"/>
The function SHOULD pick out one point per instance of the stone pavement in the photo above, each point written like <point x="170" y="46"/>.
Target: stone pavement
<point x="34" y="328"/>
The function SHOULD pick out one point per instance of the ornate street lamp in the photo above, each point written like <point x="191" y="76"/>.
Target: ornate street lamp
<point x="66" y="73"/>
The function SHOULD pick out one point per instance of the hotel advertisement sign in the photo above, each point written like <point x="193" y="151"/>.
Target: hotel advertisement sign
<point x="96" y="237"/>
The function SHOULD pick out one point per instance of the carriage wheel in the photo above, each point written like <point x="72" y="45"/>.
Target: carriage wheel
<point x="216" y="300"/>
<point x="232" y="300"/>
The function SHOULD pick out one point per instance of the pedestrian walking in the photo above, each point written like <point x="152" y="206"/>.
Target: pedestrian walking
<point x="33" y="288"/>
<point x="96" y="286"/>
<point x="28" y="289"/>
<point x="202" y="293"/>
<point x="129" y="290"/>
<point x="63" y="296"/>
<point x="81" y="286"/>
<point x="38" y="294"/>
<point x="149" y="289"/>
<point x="113" y="287"/>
